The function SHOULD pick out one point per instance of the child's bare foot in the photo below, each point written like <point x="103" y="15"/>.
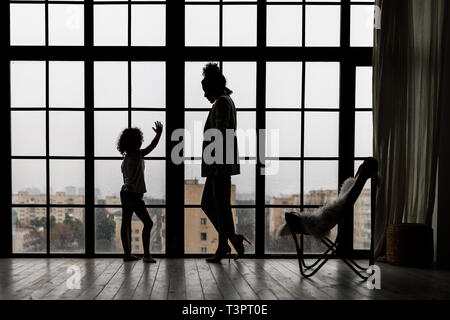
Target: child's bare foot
<point x="148" y="259"/>
<point x="130" y="258"/>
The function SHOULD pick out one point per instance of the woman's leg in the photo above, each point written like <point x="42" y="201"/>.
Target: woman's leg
<point x="207" y="203"/>
<point x="364" y="173"/>
<point x="142" y="213"/>
<point x="222" y="202"/>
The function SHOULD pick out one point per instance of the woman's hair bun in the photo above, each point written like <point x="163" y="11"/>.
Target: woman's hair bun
<point x="211" y="69"/>
<point x="213" y="78"/>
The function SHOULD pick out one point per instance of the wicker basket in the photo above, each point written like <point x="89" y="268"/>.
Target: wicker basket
<point x="409" y="244"/>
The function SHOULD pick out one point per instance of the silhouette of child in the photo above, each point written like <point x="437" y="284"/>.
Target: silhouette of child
<point x="133" y="189"/>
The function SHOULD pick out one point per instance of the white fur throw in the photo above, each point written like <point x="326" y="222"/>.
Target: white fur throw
<point x="320" y="222"/>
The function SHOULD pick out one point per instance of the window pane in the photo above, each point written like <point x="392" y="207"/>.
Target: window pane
<point x="148" y="84"/>
<point x="110" y="25"/>
<point x="194" y="241"/>
<point x="321" y="182"/>
<point x="29" y="230"/>
<point x="243" y="185"/>
<point x="241" y="79"/>
<point x="158" y="233"/>
<point x="28" y="133"/>
<point x="323" y="24"/>
<point x="193" y="182"/>
<point x="202" y="25"/>
<point x="66" y="84"/>
<point x="145" y="120"/>
<point x="362" y="217"/>
<point x="67" y="182"/>
<point x="108" y="182"/>
<point x="107" y="230"/>
<point x="194" y="96"/>
<point x="284" y="25"/>
<point x="242" y="193"/>
<point x="283" y="182"/>
<point x="108" y="126"/>
<point x="239" y="25"/>
<point x="66" y="133"/>
<point x="148" y="25"/>
<point x="363" y="134"/>
<point x="274" y="220"/>
<point x="361" y="22"/>
<point x="67" y="230"/>
<point x="283" y="134"/>
<point x="27" y="24"/>
<point x="193" y="230"/>
<point x="194" y="123"/>
<point x="364" y="87"/>
<point x="110" y="84"/>
<point x="246" y="134"/>
<point x="283" y="84"/>
<point x="66" y="25"/>
<point x="245" y="225"/>
<point x="321" y="134"/>
<point x="155" y="181"/>
<point x="322" y="77"/>
<point x="28" y="84"/>
<point x="28" y="181"/>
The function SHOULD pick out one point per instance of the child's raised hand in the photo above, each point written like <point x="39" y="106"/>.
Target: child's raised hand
<point x="158" y="127"/>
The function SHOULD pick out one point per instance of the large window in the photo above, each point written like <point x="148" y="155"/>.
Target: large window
<point x="82" y="71"/>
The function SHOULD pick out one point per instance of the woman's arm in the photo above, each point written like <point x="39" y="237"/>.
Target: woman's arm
<point x="158" y="129"/>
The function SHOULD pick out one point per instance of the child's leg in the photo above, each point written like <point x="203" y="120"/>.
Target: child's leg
<point x="142" y="213"/>
<point x="127" y="213"/>
<point x="124" y="230"/>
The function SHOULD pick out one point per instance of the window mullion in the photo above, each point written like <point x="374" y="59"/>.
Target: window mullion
<point x="260" y="214"/>
<point x="89" y="129"/>
<point x="6" y="219"/>
<point x="174" y="120"/>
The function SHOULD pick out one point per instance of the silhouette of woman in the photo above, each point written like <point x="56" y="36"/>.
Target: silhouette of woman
<point x="216" y="201"/>
<point x="133" y="189"/>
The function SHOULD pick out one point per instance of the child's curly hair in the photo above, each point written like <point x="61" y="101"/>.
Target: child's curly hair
<point x="130" y="140"/>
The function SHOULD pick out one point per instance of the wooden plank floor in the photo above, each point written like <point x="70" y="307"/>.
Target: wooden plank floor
<point x="194" y="279"/>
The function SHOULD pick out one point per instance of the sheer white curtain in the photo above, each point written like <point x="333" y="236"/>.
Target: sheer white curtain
<point x="409" y="86"/>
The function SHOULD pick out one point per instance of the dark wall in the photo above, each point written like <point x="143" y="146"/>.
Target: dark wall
<point x="443" y="210"/>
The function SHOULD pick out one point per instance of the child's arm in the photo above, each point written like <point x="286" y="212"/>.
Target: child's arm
<point x="158" y="129"/>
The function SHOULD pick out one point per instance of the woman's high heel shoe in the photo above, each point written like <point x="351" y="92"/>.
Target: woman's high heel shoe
<point x="238" y="244"/>
<point x="219" y="255"/>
